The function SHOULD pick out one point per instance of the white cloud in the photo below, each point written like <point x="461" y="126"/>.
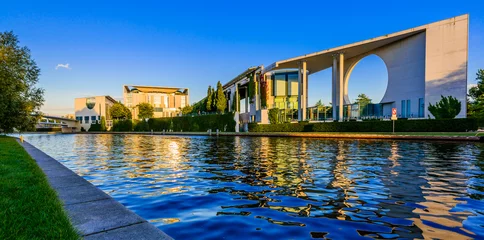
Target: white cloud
<point x="66" y="66"/>
<point x="470" y="85"/>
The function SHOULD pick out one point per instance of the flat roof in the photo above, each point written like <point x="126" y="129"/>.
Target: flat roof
<point x="240" y="76"/>
<point x="321" y="60"/>
<point x="59" y="118"/>
<point x="156" y="89"/>
<point x="106" y="96"/>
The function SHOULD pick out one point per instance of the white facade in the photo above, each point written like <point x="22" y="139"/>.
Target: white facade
<point x="423" y="63"/>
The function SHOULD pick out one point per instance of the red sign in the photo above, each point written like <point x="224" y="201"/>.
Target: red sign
<point x="394" y="112"/>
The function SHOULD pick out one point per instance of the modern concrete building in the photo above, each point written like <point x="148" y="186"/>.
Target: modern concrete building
<point x="89" y="110"/>
<point x="166" y="101"/>
<point x="423" y="63"/>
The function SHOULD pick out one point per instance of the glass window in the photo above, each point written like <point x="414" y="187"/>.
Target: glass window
<point x="280" y="85"/>
<point x="79" y="119"/>
<point x="157" y="100"/>
<point x="403" y="109"/>
<point x="421" y="107"/>
<point x="293" y="84"/>
<point x="86" y="119"/>
<point x="183" y="101"/>
<point x="409" y="112"/>
<point x="93" y="118"/>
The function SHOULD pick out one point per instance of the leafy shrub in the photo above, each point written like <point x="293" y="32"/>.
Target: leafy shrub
<point x="447" y="108"/>
<point x="274" y="115"/>
<point x="122" y="126"/>
<point x="194" y="123"/>
<point x="141" y="126"/>
<point x="95" y="127"/>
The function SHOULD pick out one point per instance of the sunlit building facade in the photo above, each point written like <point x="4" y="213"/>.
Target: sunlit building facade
<point x="166" y="101"/>
<point x="89" y="110"/>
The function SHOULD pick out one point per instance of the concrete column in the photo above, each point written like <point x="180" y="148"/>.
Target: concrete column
<point x="304" y="96"/>
<point x="334" y="86"/>
<point x="299" y="93"/>
<point x="236" y="97"/>
<point x="340" y="85"/>
<point x="256" y="93"/>
<point x="247" y="99"/>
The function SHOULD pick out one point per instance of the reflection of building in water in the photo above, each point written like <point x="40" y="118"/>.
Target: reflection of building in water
<point x="445" y="174"/>
<point x="340" y="181"/>
<point x="403" y="183"/>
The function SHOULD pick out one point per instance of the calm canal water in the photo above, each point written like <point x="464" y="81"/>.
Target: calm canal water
<point x="285" y="188"/>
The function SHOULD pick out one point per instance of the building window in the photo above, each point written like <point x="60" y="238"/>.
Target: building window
<point x="408" y="109"/>
<point x="86" y="119"/>
<point x="421" y="107"/>
<point x="403" y="109"/>
<point x="293" y="84"/>
<point x="79" y="119"/>
<point x="183" y="101"/>
<point x="157" y="100"/>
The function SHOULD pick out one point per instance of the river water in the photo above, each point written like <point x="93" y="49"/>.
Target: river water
<point x="284" y="188"/>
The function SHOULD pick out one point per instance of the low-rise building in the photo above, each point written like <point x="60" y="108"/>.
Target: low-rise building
<point x="166" y="101"/>
<point x="89" y="110"/>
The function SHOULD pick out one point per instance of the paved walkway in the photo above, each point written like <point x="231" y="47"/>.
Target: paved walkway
<point x="92" y="212"/>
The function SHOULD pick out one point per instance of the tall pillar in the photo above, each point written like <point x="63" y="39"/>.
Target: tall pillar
<point x="334" y="87"/>
<point x="256" y="93"/>
<point x="304" y="96"/>
<point x="236" y="98"/>
<point x="246" y="100"/>
<point x="299" y="93"/>
<point x="340" y="85"/>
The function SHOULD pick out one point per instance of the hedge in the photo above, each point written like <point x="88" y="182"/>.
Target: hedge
<point x="122" y="126"/>
<point x="426" y="125"/>
<point x="223" y="122"/>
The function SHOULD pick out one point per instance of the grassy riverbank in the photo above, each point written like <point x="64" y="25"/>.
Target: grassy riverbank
<point x="29" y="207"/>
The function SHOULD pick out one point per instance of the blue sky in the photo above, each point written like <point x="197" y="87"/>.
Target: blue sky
<point x="196" y="43"/>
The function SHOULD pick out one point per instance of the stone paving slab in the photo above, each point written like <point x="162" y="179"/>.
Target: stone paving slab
<point x="92" y="212"/>
<point x="81" y="194"/>
<point x="141" y="231"/>
<point x="97" y="216"/>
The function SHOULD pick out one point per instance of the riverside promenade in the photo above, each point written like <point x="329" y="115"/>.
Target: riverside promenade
<point x="93" y="213"/>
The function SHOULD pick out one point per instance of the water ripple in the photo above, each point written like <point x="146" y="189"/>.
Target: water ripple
<point x="296" y="188"/>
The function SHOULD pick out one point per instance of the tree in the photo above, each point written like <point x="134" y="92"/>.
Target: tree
<point x="119" y="111"/>
<point x="475" y="105"/>
<point x="213" y="94"/>
<point x="145" y="111"/>
<point x="221" y="102"/>
<point x="447" y="108"/>
<point x="208" y="103"/>
<point x="187" y="110"/>
<point x="20" y="100"/>
<point x="363" y="102"/>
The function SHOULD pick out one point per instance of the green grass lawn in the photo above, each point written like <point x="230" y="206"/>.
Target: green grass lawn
<point x="29" y="208"/>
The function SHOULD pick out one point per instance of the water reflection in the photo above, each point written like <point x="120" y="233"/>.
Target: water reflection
<point x="234" y="187"/>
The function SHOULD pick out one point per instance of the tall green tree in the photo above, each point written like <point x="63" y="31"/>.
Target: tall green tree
<point x="187" y="110"/>
<point x="363" y="100"/>
<point x="209" y="100"/>
<point x="146" y="110"/>
<point x="119" y="111"/>
<point x="447" y="108"/>
<point x="20" y="99"/>
<point x="221" y="99"/>
<point x="475" y="103"/>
